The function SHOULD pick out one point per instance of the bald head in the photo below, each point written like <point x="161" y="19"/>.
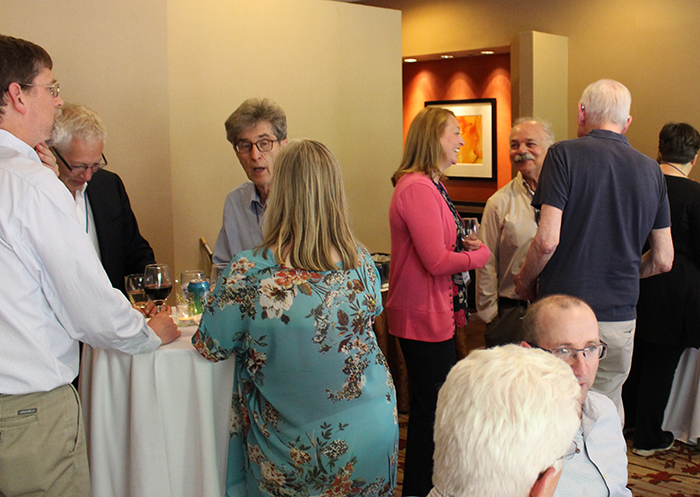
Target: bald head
<point x="565" y="322"/>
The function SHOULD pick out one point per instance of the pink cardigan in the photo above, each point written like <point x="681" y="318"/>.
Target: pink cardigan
<point x="423" y="236"/>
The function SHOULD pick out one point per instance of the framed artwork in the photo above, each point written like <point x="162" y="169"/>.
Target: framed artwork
<point x="477" y="121"/>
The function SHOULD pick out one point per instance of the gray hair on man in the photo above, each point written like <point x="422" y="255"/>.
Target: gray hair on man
<point x="75" y="121"/>
<point x="505" y="416"/>
<point x="606" y="101"/>
<point x="252" y="112"/>
<point x="544" y="126"/>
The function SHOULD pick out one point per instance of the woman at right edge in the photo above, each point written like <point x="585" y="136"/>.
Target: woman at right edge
<point x="427" y="296"/>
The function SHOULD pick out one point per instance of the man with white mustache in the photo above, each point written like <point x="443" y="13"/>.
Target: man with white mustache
<point x="509" y="221"/>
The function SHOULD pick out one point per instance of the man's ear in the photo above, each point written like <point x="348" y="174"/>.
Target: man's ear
<point x="546" y="484"/>
<point x="627" y="125"/>
<point x="15" y="98"/>
<point x="526" y="345"/>
<point x="581" y="120"/>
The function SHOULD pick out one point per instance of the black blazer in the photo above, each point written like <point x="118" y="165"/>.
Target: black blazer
<point x="122" y="248"/>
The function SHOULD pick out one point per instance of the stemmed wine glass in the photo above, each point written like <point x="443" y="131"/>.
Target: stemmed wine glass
<point x="157" y="283"/>
<point x="134" y="289"/>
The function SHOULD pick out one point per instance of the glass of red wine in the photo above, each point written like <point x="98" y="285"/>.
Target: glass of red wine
<point x="157" y="283"/>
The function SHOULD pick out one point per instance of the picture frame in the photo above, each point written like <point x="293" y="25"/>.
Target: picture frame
<point x="477" y="120"/>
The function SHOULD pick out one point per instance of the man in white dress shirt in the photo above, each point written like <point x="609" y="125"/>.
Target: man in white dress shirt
<point x="567" y="327"/>
<point x="54" y="293"/>
<point x="257" y="130"/>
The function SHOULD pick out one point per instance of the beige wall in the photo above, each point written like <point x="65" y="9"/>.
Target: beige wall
<point x="112" y="57"/>
<point x="652" y="47"/>
<point x="165" y="74"/>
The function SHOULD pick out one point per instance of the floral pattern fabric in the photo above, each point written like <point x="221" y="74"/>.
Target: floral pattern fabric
<point x="314" y="407"/>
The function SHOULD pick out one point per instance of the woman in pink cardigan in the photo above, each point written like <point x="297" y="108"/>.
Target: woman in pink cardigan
<point x="427" y="296"/>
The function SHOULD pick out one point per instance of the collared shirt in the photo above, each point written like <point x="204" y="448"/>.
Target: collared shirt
<point x="54" y="290"/>
<point x="242" y="226"/>
<point x="84" y="211"/>
<point x="600" y="468"/>
<point x="507" y="227"/>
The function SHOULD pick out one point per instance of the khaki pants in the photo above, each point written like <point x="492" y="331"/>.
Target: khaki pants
<point x="614" y="369"/>
<point x="42" y="445"/>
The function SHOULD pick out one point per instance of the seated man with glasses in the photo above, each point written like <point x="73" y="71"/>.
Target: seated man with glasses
<point x="101" y="202"/>
<point x="567" y="327"/>
<point x="257" y="130"/>
<point x="504" y="423"/>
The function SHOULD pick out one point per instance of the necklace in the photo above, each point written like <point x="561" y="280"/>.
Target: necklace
<point x="674" y="167"/>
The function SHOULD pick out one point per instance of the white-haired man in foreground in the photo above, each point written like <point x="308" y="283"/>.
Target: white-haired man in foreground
<point x="505" y="420"/>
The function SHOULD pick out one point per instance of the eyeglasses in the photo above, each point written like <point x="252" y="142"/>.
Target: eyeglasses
<point x="597" y="351"/>
<point x="571" y="453"/>
<point x="81" y="168"/>
<point x="54" y="89"/>
<point x="245" y="147"/>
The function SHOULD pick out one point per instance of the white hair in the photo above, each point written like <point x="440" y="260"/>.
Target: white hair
<point x="504" y="416"/>
<point x="606" y="101"/>
<point x="77" y="121"/>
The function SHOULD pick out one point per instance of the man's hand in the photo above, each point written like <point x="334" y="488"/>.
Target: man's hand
<point x="163" y="325"/>
<point x="150" y="310"/>
<point x="47" y="157"/>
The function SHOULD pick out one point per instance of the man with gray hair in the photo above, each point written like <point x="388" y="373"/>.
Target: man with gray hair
<point x="257" y="130"/>
<point x="509" y="221"/>
<point x="601" y="200"/>
<point x="566" y="327"/>
<point x="505" y="420"/>
<point x="101" y="201"/>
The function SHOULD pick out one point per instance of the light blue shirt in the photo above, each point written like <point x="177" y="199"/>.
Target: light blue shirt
<point x="600" y="468"/>
<point x="242" y="225"/>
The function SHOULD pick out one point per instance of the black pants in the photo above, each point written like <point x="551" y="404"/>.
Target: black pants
<point x="647" y="389"/>
<point x="428" y="364"/>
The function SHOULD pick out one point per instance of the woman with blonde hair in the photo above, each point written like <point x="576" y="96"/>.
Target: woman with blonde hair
<point x="427" y="292"/>
<point x="314" y="408"/>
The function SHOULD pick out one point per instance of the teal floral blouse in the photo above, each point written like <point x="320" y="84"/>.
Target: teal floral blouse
<point x="314" y="407"/>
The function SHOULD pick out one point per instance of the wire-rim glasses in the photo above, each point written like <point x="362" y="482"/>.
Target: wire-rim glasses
<point x="54" y="89"/>
<point x="83" y="167"/>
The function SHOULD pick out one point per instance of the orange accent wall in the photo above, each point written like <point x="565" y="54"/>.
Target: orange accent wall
<point x="459" y="79"/>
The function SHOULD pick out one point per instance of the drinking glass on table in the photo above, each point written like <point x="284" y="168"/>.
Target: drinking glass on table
<point x="216" y="271"/>
<point x="135" y="291"/>
<point x="157" y="283"/>
<point x="190" y="275"/>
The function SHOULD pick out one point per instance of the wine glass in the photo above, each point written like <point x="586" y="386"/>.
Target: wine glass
<point x="216" y="271"/>
<point x="471" y="225"/>
<point x="135" y="291"/>
<point x="157" y="283"/>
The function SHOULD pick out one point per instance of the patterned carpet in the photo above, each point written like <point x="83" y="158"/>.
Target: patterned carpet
<point x="675" y="473"/>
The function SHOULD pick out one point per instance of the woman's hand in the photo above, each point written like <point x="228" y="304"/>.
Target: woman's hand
<point x="47" y="157"/>
<point x="470" y="245"/>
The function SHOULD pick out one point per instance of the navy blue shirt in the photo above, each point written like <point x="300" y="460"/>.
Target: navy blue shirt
<point x="611" y="197"/>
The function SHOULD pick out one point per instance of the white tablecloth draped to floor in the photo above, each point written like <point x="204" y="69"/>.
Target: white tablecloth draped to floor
<point x="158" y="423"/>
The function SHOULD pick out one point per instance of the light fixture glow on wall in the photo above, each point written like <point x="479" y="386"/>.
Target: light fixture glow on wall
<point x="487" y="52"/>
<point x="410" y="60"/>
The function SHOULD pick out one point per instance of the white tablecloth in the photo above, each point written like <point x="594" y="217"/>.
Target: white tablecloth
<point x="157" y="424"/>
<point x="682" y="416"/>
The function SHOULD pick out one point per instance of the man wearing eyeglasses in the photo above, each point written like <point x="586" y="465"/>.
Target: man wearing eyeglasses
<point x="101" y="201"/>
<point x="54" y="293"/>
<point x="567" y="327"/>
<point x="257" y="130"/>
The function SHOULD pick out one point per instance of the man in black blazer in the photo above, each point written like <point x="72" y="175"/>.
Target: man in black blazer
<point x="102" y="204"/>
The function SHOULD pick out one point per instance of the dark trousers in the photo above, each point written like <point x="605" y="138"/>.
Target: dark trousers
<point x="427" y="364"/>
<point x="647" y="389"/>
